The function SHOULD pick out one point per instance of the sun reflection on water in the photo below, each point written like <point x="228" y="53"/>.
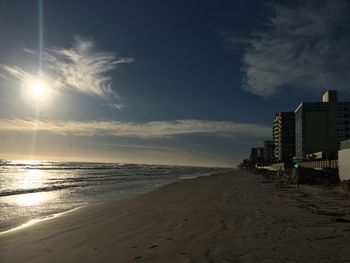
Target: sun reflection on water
<point x="32" y="199"/>
<point x="31" y="180"/>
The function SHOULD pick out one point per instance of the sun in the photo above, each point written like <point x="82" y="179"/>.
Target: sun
<point x="36" y="91"/>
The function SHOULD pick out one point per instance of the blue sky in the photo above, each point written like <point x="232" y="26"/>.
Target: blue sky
<point x="184" y="82"/>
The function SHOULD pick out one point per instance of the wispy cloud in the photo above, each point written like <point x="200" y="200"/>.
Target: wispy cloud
<point x="80" y="68"/>
<point x="155" y="129"/>
<point x="305" y="45"/>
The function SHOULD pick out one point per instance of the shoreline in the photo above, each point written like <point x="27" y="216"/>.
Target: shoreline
<point x="35" y="221"/>
<point x="239" y="217"/>
<point x="38" y="220"/>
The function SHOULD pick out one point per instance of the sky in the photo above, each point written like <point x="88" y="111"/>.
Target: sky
<point x="190" y="82"/>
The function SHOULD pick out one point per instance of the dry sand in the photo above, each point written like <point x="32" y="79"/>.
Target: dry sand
<point x="236" y="217"/>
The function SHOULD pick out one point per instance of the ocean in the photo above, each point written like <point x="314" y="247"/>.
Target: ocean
<point x="31" y="191"/>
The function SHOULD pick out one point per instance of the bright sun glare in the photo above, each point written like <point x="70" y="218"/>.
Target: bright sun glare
<point x="38" y="88"/>
<point x="37" y="92"/>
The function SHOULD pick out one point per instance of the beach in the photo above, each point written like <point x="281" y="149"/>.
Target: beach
<point x="36" y="190"/>
<point x="229" y="217"/>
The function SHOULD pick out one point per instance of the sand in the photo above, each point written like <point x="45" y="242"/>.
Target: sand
<point x="235" y="217"/>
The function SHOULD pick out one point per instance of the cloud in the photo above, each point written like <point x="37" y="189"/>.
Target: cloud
<point x="80" y="68"/>
<point x="303" y="46"/>
<point x="155" y="129"/>
<point x="115" y="106"/>
<point x="15" y="72"/>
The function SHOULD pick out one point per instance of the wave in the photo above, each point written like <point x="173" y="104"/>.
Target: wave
<point x="76" y="174"/>
<point x="79" y="166"/>
<point x="36" y="190"/>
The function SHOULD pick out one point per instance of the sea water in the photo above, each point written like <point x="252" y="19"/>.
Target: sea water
<point x="37" y="190"/>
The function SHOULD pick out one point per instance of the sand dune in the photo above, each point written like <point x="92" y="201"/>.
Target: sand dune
<point x="234" y="217"/>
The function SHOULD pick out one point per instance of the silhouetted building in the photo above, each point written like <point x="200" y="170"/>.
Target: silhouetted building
<point x="343" y="117"/>
<point x="260" y="154"/>
<point x="268" y="151"/>
<point x="256" y="155"/>
<point x="283" y="136"/>
<point x="253" y="157"/>
<point x="320" y="127"/>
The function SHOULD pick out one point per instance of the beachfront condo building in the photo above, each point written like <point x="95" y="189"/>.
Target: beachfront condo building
<point x="320" y="127"/>
<point x="283" y="136"/>
<point x="343" y="121"/>
<point x="260" y="153"/>
<point x="344" y="164"/>
<point x="256" y="155"/>
<point x="253" y="157"/>
<point x="268" y="151"/>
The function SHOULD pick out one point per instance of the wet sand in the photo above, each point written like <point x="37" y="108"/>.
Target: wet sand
<point x="233" y="217"/>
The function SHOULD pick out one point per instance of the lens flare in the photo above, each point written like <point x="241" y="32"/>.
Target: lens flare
<point x="38" y="89"/>
<point x="37" y="92"/>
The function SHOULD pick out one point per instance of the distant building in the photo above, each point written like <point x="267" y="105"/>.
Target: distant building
<point x="321" y="126"/>
<point x="344" y="163"/>
<point x="260" y="154"/>
<point x="253" y="157"/>
<point x="256" y="155"/>
<point x="283" y="136"/>
<point x="343" y="110"/>
<point x="268" y="151"/>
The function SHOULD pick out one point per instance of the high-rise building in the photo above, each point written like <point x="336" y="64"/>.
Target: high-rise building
<point x="283" y="136"/>
<point x="321" y="126"/>
<point x="256" y="155"/>
<point x="260" y="154"/>
<point x="343" y="120"/>
<point x="268" y="151"/>
<point x="253" y="157"/>
<point x="344" y="164"/>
